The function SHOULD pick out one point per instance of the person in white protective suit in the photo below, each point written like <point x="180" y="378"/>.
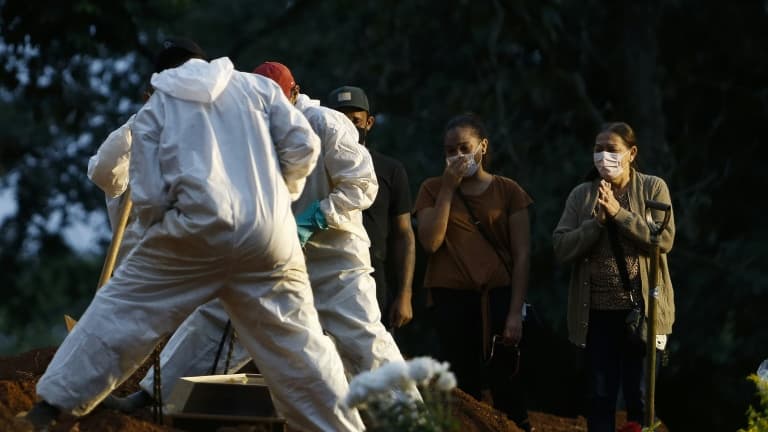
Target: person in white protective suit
<point x="215" y="155"/>
<point x="329" y="215"/>
<point x="108" y="169"/>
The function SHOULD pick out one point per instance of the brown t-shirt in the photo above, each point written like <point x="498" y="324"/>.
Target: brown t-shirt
<point x="466" y="260"/>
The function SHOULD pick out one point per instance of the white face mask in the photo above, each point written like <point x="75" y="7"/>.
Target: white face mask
<point x="609" y="164"/>
<point x="471" y="162"/>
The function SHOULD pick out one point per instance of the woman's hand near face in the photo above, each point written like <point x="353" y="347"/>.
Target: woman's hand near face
<point x="454" y="172"/>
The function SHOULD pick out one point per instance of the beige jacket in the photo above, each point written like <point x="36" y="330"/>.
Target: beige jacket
<point x="578" y="231"/>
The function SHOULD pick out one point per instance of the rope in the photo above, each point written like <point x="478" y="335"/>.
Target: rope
<point x="221" y="346"/>
<point x="157" y="406"/>
<point x="231" y="349"/>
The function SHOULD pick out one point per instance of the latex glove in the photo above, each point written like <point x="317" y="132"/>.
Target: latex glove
<point x="310" y="221"/>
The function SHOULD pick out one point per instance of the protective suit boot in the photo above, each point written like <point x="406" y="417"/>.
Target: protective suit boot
<point x="40" y="418"/>
<point x="129" y="404"/>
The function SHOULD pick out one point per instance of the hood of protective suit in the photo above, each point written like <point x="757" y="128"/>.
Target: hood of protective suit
<point x="303" y="102"/>
<point x="196" y="80"/>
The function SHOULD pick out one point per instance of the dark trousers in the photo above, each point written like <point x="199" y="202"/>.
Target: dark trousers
<point x="613" y="361"/>
<point x="458" y="323"/>
<point x="383" y="296"/>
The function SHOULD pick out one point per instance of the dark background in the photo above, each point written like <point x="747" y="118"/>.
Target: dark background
<point x="688" y="75"/>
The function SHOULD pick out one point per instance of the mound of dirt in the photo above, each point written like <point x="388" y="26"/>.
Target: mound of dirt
<point x="18" y="375"/>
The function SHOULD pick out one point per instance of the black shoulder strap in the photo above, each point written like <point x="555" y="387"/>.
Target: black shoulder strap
<point x="483" y="232"/>
<point x="618" y="255"/>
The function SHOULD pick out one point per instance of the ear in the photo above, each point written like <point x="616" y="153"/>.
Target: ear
<point x="369" y="123"/>
<point x="484" y="144"/>
<point x="295" y="91"/>
<point x="632" y="154"/>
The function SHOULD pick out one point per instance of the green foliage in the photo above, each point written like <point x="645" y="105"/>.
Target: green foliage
<point x="46" y="291"/>
<point x="432" y="415"/>
<point x="652" y="428"/>
<point x="757" y="417"/>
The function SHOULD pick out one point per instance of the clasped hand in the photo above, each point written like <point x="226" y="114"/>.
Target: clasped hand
<point x="608" y="206"/>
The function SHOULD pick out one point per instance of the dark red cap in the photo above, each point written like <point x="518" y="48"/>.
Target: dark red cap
<point x="278" y="73"/>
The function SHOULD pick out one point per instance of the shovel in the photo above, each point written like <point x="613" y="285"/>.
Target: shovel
<point x="114" y="247"/>
<point x="656" y="229"/>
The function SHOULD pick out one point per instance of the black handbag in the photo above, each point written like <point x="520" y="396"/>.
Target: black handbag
<point x="504" y="356"/>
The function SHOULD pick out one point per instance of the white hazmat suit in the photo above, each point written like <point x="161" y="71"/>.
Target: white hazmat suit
<point x="108" y="169"/>
<point x="215" y="154"/>
<point x="338" y="262"/>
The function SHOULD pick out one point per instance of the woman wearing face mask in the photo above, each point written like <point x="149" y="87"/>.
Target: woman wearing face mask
<point x="604" y="218"/>
<point x="473" y="291"/>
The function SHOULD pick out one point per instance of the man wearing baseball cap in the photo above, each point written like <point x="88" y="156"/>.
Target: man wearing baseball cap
<point x="388" y="219"/>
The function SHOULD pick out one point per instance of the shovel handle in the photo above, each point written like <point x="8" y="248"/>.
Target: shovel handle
<point x="657" y="205"/>
<point x="114" y="247"/>
<point x="117" y="239"/>
<point x="656" y="227"/>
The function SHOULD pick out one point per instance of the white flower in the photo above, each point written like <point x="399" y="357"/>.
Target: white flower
<point x="445" y="382"/>
<point x="762" y="370"/>
<point x="421" y="369"/>
<point x="424" y="370"/>
<point x="394" y="375"/>
<point x="390" y="398"/>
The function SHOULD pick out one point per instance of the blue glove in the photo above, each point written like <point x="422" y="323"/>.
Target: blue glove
<point x="310" y="221"/>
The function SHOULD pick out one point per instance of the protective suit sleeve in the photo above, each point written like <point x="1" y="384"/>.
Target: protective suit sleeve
<point x="147" y="186"/>
<point x="297" y="145"/>
<point x="108" y="168"/>
<point x="350" y="169"/>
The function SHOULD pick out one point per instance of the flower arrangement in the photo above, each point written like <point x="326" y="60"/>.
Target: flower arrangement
<point x="388" y="399"/>
<point x="757" y="418"/>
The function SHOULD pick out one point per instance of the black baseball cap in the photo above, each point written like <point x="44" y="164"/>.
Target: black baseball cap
<point x="175" y="51"/>
<point x="348" y="97"/>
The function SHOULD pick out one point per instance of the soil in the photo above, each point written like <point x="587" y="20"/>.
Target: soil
<point x="18" y="375"/>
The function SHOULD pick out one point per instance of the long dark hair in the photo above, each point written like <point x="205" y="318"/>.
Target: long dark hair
<point x="623" y="131"/>
<point x="472" y="121"/>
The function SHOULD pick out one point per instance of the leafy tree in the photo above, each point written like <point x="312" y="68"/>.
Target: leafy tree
<point x="544" y="75"/>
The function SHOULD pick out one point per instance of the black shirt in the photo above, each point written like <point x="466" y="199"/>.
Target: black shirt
<point x="393" y="199"/>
